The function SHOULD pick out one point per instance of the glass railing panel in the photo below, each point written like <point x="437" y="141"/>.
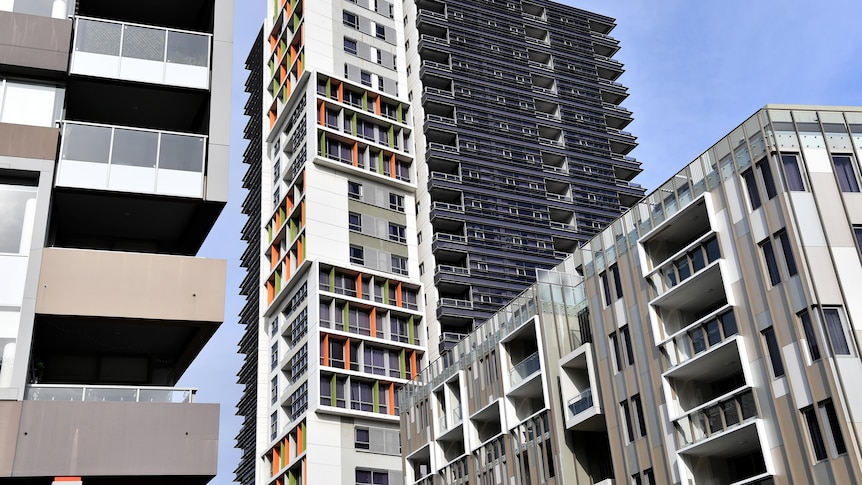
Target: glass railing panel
<point x="581" y="403"/>
<point x="54" y="392"/>
<point x="131" y="160"/>
<point x="721" y="415"/>
<point x="140" y="53"/>
<point x="524" y="369"/>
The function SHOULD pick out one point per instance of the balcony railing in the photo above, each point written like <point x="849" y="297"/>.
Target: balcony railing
<point x="581" y="403"/>
<point x="141" y="53"/>
<point x="699" y="337"/>
<point x="55" y="392"/>
<point x="447" y="206"/>
<point x="715" y="417"/>
<point x="125" y="159"/>
<point x="455" y="303"/>
<point x="456" y="238"/>
<point x="524" y="369"/>
<point x="449" y="269"/>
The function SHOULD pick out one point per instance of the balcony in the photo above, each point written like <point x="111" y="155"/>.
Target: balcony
<point x="524" y="369"/>
<point x="140" y="53"/>
<point x="102" y="316"/>
<point x="54" y="392"/>
<point x="142" y="441"/>
<point x="578" y="385"/>
<point x="715" y="421"/>
<point x="105" y="157"/>
<point x="580" y="403"/>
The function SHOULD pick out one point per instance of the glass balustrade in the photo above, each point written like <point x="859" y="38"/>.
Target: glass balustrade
<point x="131" y="160"/>
<point x="140" y="53"/>
<point x="50" y="392"/>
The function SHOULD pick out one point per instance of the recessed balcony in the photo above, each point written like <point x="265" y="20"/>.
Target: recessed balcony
<point x="124" y="159"/>
<point x="140" y="53"/>
<point x="718" y="425"/>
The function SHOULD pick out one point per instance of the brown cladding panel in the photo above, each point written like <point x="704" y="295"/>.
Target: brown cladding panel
<point x="28" y="141"/>
<point x="36" y="42"/>
<point x="64" y="438"/>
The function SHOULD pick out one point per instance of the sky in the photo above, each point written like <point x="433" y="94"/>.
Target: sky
<point x="695" y="70"/>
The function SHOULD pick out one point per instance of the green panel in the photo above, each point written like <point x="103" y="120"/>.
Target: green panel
<point x="304" y="437"/>
<point x="346" y="318"/>
<point x="400" y="112"/>
<point x="402" y="362"/>
<point x="282" y="458"/>
<point x="329" y="88"/>
<point x="386" y="292"/>
<point x="269" y="232"/>
<point x="392" y="136"/>
<point x="410" y="332"/>
<point x="332" y="279"/>
<point x="322" y="147"/>
<point x="291" y="478"/>
<point x="376" y="395"/>
<point x="353" y="124"/>
<point x="277" y="282"/>
<point x="274" y="9"/>
<point x="334" y="391"/>
<point x="292" y="229"/>
<point x="365" y="100"/>
<point x="303" y="246"/>
<point x="271" y="68"/>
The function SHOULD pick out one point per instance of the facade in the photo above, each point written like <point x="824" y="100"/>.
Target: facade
<point x="372" y="157"/>
<point x="521" y="143"/>
<point x="113" y="168"/>
<point x="709" y="335"/>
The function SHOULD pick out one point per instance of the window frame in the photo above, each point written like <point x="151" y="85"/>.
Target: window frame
<point x="847" y="174"/>
<point x="795" y="181"/>
<point x="833" y="325"/>
<point x="773" y="351"/>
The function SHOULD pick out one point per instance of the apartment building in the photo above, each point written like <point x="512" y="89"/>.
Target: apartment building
<point x="522" y="143"/>
<point x="369" y="246"/>
<point x="113" y="168"/>
<point x="708" y="335"/>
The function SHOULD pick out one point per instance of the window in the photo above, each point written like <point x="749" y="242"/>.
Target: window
<point x="833" y="430"/>
<point x="857" y="231"/>
<point x="751" y="186"/>
<point x="273" y="390"/>
<point x="627" y="341"/>
<point x="771" y="263"/>
<point x="350" y="20"/>
<point x="817" y="443"/>
<point x="615" y="348"/>
<point x="845" y="172"/>
<point x="374" y="361"/>
<point x="397" y="233"/>
<point x="354" y="221"/>
<point x="350" y="46"/>
<point x="361" y="439"/>
<point x="380" y="31"/>
<point x="773" y="351"/>
<point x="810" y="336"/>
<point x="273" y="426"/>
<point x="365" y="78"/>
<point x="766" y="175"/>
<point x="835" y="329"/>
<point x="357" y="254"/>
<point x="639" y="413"/>
<point x="14" y="199"/>
<point x="612" y="275"/>
<point x="792" y="174"/>
<point x="273" y="356"/>
<point x="364" y="477"/>
<point x="354" y="190"/>
<point x="361" y="398"/>
<point x="789" y="260"/>
<point x="627" y="421"/>
<point x="649" y="476"/>
<point x="399" y="265"/>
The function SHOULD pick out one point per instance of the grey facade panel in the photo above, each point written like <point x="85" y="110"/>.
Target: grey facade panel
<point x="116" y="438"/>
<point x="32" y="41"/>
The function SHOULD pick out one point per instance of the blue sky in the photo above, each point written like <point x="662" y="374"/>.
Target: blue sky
<point x="695" y="70"/>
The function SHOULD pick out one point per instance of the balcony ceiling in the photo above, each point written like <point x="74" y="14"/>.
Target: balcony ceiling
<point x="185" y="14"/>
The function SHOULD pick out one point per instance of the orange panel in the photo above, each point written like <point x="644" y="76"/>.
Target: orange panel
<point x="322" y="114"/>
<point x="355" y="154"/>
<point x="299" y="448"/>
<point x="275" y="256"/>
<point x="299" y="250"/>
<point x="67" y="479"/>
<point x="275" y="461"/>
<point x="413" y="364"/>
<point x="340" y="93"/>
<point x="271" y="118"/>
<point x="359" y="285"/>
<point x="326" y="350"/>
<point x="392" y="165"/>
<point x="391" y="399"/>
<point x="272" y="42"/>
<point x="377" y="106"/>
<point x="374" y="321"/>
<point x="302" y="213"/>
<point x="270" y="292"/>
<point x="398" y="301"/>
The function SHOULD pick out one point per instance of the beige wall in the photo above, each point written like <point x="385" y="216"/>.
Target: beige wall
<point x="131" y="285"/>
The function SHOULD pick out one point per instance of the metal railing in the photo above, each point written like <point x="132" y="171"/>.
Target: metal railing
<point x="715" y="416"/>
<point x="454" y="302"/>
<point x="448" y="269"/>
<point x="94" y="393"/>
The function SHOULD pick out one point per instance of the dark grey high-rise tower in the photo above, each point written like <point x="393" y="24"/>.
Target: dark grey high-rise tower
<point x="524" y="153"/>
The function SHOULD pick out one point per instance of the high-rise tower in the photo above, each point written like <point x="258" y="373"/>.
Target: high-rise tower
<point x="523" y="157"/>
<point x="395" y="147"/>
<point x="113" y="168"/>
